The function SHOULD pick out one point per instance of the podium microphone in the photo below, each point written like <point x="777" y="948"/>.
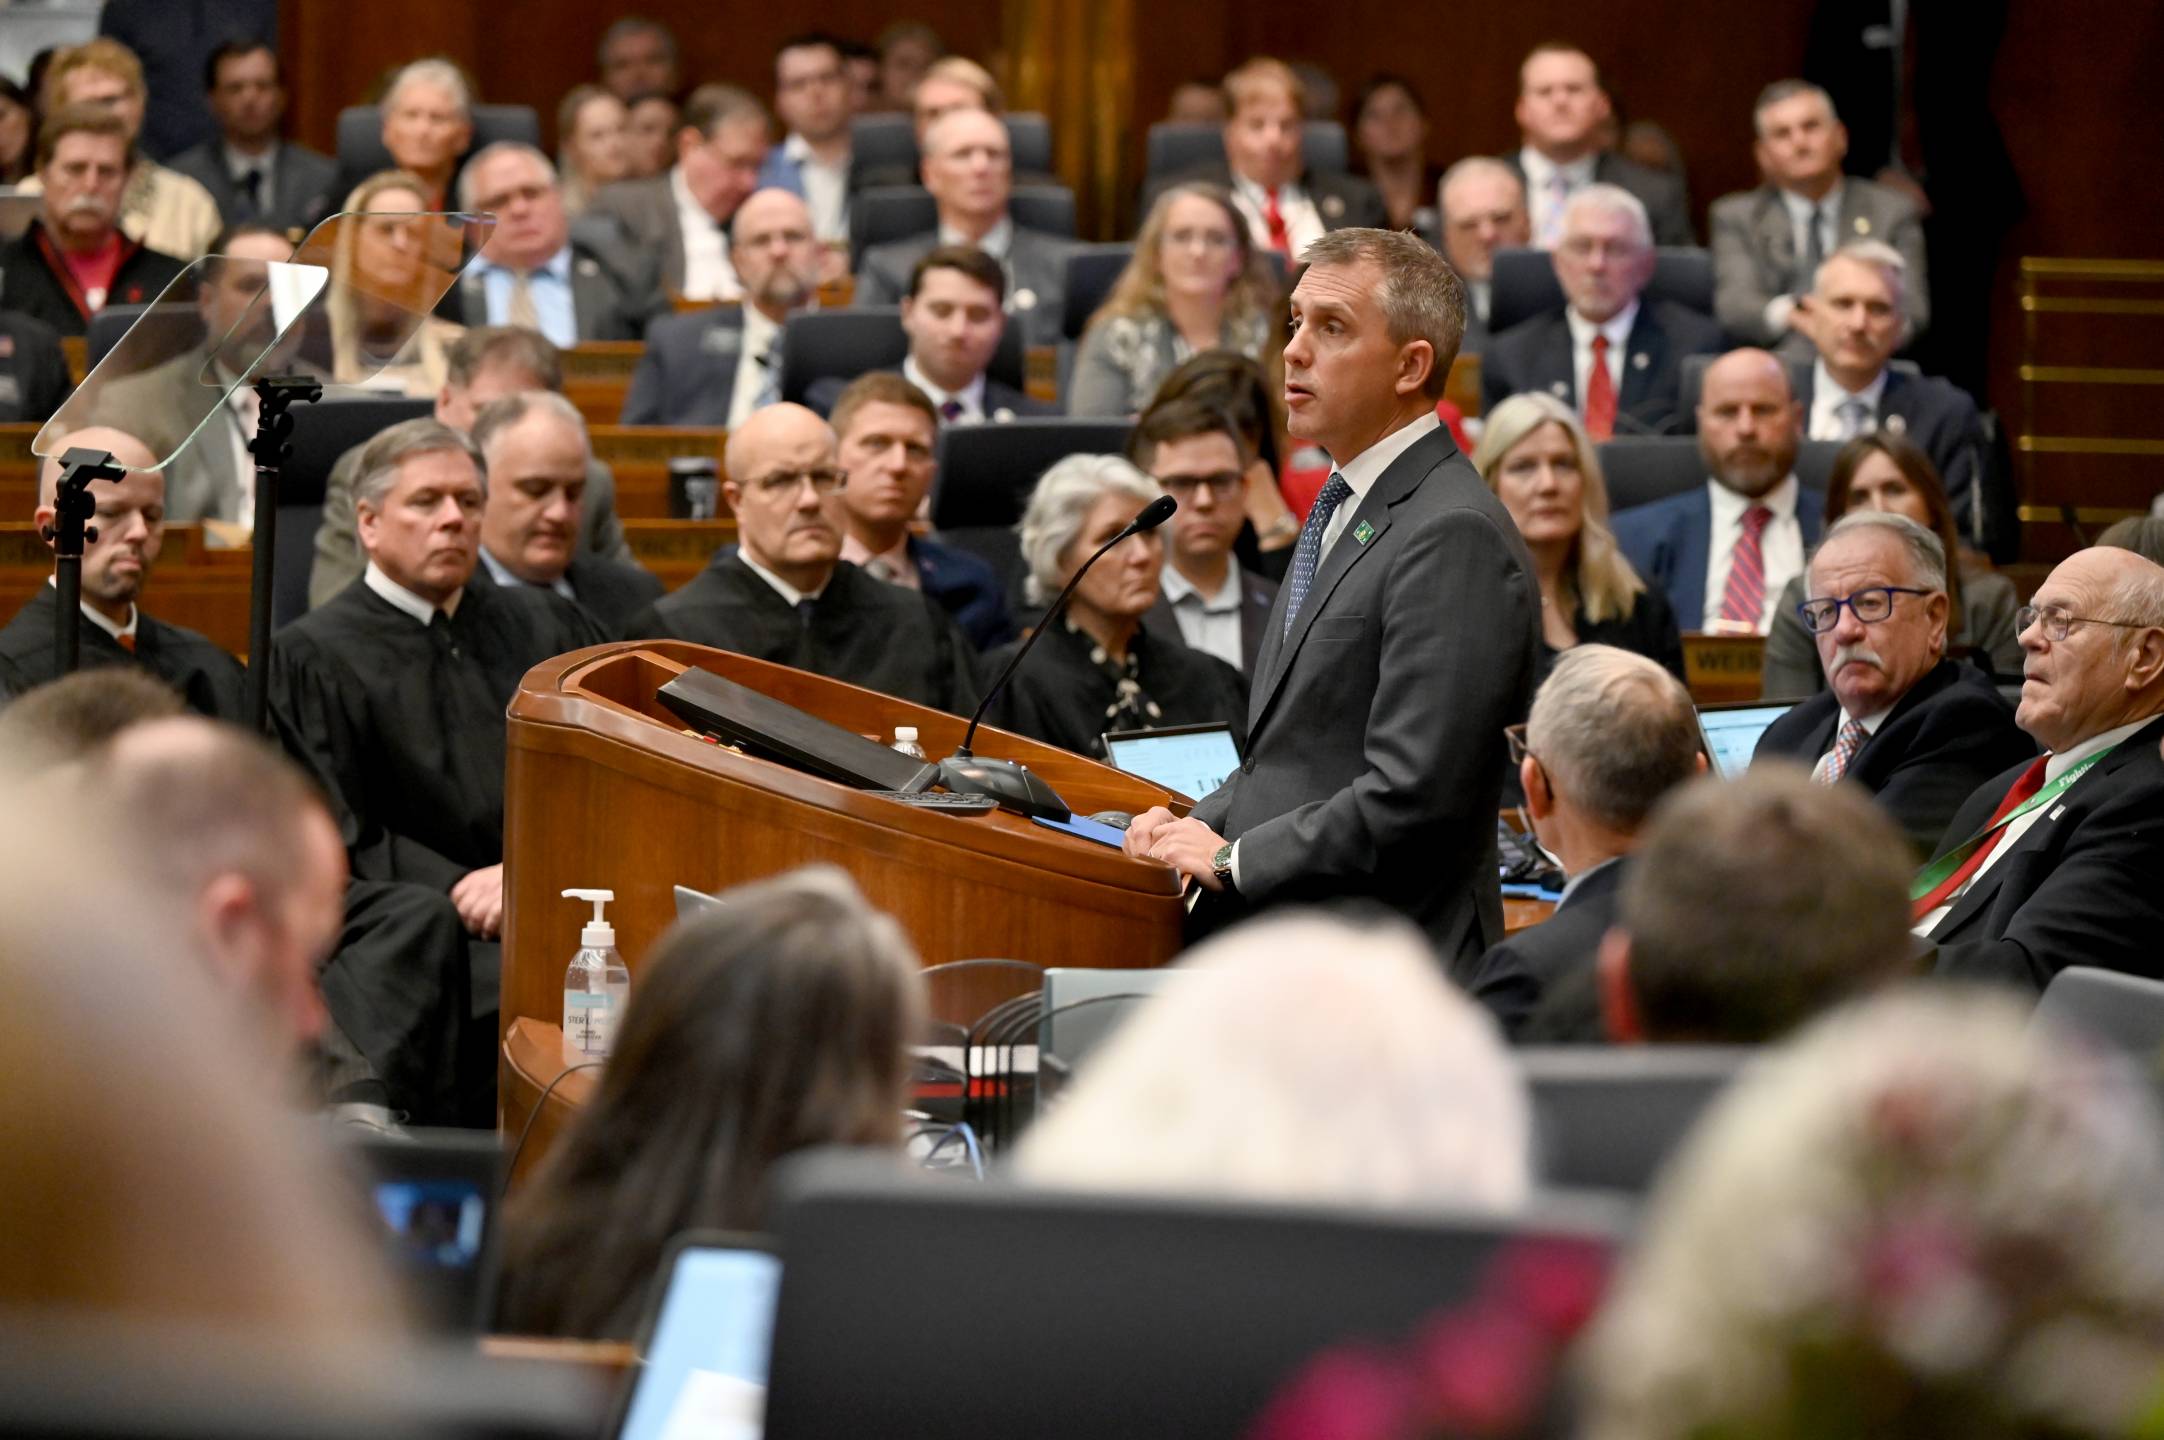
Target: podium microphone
<point x="1007" y="781"/>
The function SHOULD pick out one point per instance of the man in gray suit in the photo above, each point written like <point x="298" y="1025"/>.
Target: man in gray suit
<point x="534" y="271"/>
<point x="256" y="177"/>
<point x="683" y="214"/>
<point x="1401" y="643"/>
<point x="1768" y="243"/>
<point x="969" y="168"/>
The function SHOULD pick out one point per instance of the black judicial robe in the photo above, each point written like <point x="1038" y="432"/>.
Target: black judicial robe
<point x="863" y="631"/>
<point x="404" y="723"/>
<point x="1065" y="695"/>
<point x="208" y="679"/>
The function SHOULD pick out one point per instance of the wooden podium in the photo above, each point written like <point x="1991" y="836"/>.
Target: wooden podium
<point x="605" y="788"/>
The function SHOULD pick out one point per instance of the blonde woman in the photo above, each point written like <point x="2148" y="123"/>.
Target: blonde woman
<point x="1195" y="284"/>
<point x="389" y="267"/>
<point x="1537" y="458"/>
<point x="594" y="147"/>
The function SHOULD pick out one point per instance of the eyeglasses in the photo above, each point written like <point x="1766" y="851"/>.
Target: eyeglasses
<point x="1224" y="484"/>
<point x="1868" y="606"/>
<point x="823" y="481"/>
<point x="1514" y="737"/>
<point x="2058" y="622"/>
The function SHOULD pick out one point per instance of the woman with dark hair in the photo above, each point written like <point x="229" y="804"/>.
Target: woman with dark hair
<point x="1236" y="388"/>
<point x="1884" y="471"/>
<point x="1390" y="129"/>
<point x="778" y="1022"/>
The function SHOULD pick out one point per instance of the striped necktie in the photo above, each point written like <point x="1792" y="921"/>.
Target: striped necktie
<point x="1845" y="746"/>
<point x="1308" y="553"/>
<point x="1743" y="598"/>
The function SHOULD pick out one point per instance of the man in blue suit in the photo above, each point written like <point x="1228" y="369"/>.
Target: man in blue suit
<point x="811" y="95"/>
<point x="1725" y="551"/>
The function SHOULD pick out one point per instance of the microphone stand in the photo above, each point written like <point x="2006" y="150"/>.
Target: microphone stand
<point x="71" y="530"/>
<point x="273" y="442"/>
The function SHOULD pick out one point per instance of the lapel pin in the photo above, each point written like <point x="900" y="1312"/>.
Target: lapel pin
<point x="589" y="266"/>
<point x="1363" y="532"/>
<point x="2057" y="811"/>
<point x="1002" y="415"/>
<point x="1025" y="299"/>
<point x="1641" y="360"/>
<point x="1333" y="206"/>
<point x="1560" y="390"/>
<point x="1893" y="424"/>
<point x="1863" y="225"/>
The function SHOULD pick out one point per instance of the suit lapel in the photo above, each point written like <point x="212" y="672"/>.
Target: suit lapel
<point x="1694" y="546"/>
<point x="1553" y="367"/>
<point x="1647" y="343"/>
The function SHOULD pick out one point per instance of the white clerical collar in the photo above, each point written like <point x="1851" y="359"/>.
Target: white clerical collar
<point x="1540" y="170"/>
<point x="1728" y="506"/>
<point x="2062" y="761"/>
<point x="782" y="587"/>
<point x="405" y="599"/>
<point x="1829" y="392"/>
<point x="1616" y="327"/>
<point x="99" y="618"/>
<point x="501" y="574"/>
<point x="1178" y="587"/>
<point x="970" y="397"/>
<point x="1363" y="470"/>
<point x="996" y="241"/>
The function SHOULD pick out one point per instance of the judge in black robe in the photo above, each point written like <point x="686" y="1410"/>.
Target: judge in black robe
<point x="864" y="631"/>
<point x="1070" y="692"/>
<point x="208" y="679"/>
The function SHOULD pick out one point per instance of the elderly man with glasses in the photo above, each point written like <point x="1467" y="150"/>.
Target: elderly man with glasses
<point x="2058" y="863"/>
<point x="1918" y="730"/>
<point x="783" y="592"/>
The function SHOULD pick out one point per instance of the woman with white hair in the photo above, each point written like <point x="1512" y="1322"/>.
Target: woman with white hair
<point x="1298" y="1058"/>
<point x="1925" y="1217"/>
<point x="1098" y="671"/>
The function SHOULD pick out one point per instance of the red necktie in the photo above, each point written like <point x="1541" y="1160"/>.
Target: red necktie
<point x="1743" y="598"/>
<point x="1600" y="393"/>
<point x="127" y="641"/>
<point x="1280" y="237"/>
<point x="2026" y="784"/>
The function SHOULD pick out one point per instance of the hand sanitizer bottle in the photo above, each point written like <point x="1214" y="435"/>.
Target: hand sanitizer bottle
<point x="595" y="987"/>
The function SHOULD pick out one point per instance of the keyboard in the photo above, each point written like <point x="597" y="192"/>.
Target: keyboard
<point x="952" y="802"/>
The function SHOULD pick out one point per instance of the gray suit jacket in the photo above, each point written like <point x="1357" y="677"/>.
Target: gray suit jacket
<point x="1036" y="267"/>
<point x="339" y="561"/>
<point x="304" y="185"/>
<point x="688" y="373"/>
<point x="1754" y="253"/>
<point x="1375" y="749"/>
<point x="615" y="289"/>
<point x="161" y="407"/>
<point x="644" y="213"/>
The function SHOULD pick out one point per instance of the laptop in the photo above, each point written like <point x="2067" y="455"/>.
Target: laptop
<point x="1730" y="731"/>
<point x="1190" y="759"/>
<point x="435" y="1192"/>
<point x="703" y="1349"/>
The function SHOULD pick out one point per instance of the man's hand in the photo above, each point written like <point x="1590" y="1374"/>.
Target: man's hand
<point x="478" y="896"/>
<point x="1190" y="847"/>
<point x="1142" y="830"/>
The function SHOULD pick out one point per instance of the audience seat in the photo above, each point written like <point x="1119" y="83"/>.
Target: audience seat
<point x="886" y="213"/>
<point x="1525" y="283"/>
<point x="1177" y="146"/>
<point x="1093" y="1315"/>
<point x="1608" y="1118"/>
<point x="987" y="471"/>
<point x="1639" y="469"/>
<point x="2125" y="1012"/>
<point x="1092" y="270"/>
<point x="858" y="339"/>
<point x="360" y="134"/>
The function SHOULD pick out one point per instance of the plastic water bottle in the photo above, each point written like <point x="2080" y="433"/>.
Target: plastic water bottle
<point x="596" y="986"/>
<point x="905" y="740"/>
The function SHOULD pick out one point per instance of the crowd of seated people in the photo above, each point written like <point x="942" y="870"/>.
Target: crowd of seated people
<point x="1963" y="788"/>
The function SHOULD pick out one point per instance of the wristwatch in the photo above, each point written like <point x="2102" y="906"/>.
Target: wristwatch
<point x="1221" y="865"/>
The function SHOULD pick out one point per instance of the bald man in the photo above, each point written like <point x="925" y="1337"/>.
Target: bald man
<point x="2055" y="863"/>
<point x="785" y="594"/>
<point x="130" y="527"/>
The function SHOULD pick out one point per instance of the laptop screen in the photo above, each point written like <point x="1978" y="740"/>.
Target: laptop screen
<point x="1192" y="759"/>
<point x="1732" y="731"/>
<point x="706" y="1356"/>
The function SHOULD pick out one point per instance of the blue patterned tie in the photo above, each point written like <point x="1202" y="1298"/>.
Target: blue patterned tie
<point x="1308" y="553"/>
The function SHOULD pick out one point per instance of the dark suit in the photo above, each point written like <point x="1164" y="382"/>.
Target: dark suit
<point x="303" y="185"/>
<point x="2079" y="887"/>
<point x="1535" y="354"/>
<point x="1342" y="201"/>
<point x="36" y="281"/>
<point x="615" y="291"/>
<point x="1375" y="757"/>
<point x="1949" y="734"/>
<point x="1668" y="541"/>
<point x="1036" y="266"/>
<point x="1939" y="419"/>
<point x="1001" y="402"/>
<point x="1754" y="253"/>
<point x="1514" y="977"/>
<point x="1257" y="595"/>
<point x="1668" y="206"/>
<point x="208" y="679"/>
<point x="688" y="373"/>
<point x="967" y="588"/>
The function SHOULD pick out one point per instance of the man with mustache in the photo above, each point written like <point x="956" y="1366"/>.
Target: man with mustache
<point x="784" y="593"/>
<point x="1723" y="552"/>
<point x="1916" y="729"/>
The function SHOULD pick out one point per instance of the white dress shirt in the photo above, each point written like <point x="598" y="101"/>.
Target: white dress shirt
<point x="970" y="397"/>
<point x="548" y="284"/>
<point x="99" y="618"/>
<point x="1617" y="328"/>
<point x="405" y="599"/>
<point x="826" y="188"/>
<point x="782" y="587"/>
<point x="242" y="406"/>
<point x="1209" y="623"/>
<point x="756" y="361"/>
<point x="1363" y="470"/>
<point x="1870" y="725"/>
<point x="1543" y="205"/>
<point x="1803" y="211"/>
<point x="1303" y="222"/>
<point x="265" y="165"/>
<point x="902" y="567"/>
<point x="1780" y="545"/>
<point x="995" y="242"/>
<point x="708" y="275"/>
<point x="1827" y="398"/>
<point x="501" y="574"/>
<point x="2054" y="767"/>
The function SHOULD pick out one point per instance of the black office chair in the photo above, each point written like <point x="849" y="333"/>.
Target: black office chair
<point x="879" y="142"/>
<point x="1640" y="469"/>
<point x="1814" y="463"/>
<point x="1525" y="285"/>
<point x="1323" y="147"/>
<point x="845" y="343"/>
<point x="1609" y="1118"/>
<point x="1047" y="209"/>
<point x="886" y="213"/>
<point x="1029" y="135"/>
<point x="1092" y="270"/>
<point x="1176" y="146"/>
<point x="2126" y="1012"/>
<point x="987" y="471"/>
<point x="360" y="134"/>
